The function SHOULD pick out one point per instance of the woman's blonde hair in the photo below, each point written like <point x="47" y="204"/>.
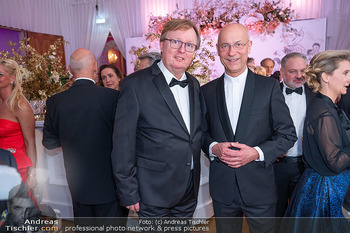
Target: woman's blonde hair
<point x="16" y="96"/>
<point x="324" y="62"/>
<point x="260" y="70"/>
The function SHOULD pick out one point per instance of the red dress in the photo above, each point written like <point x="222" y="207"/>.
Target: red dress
<point x="11" y="139"/>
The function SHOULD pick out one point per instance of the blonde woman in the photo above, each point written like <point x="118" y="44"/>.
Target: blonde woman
<point x="260" y="70"/>
<point x="17" y="124"/>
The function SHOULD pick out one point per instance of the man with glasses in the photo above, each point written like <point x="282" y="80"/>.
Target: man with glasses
<point x="157" y="138"/>
<point x="247" y="127"/>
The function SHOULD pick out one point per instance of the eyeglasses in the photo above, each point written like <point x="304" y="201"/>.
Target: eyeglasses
<point x="225" y="47"/>
<point x="176" y="44"/>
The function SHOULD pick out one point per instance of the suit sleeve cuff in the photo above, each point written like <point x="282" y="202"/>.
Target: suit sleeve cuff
<point x="211" y="155"/>
<point x="261" y="154"/>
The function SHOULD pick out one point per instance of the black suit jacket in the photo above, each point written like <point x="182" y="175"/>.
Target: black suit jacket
<point x="80" y="120"/>
<point x="6" y="157"/>
<point x="152" y="148"/>
<point x="264" y="121"/>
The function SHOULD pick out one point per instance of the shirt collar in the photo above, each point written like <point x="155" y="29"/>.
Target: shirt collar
<point x="240" y="78"/>
<point x="167" y="74"/>
<point x="285" y="86"/>
<point x="84" y="78"/>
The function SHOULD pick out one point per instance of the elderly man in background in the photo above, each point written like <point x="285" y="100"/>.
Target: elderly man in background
<point x="289" y="167"/>
<point x="80" y="120"/>
<point x="268" y="64"/>
<point x="146" y="60"/>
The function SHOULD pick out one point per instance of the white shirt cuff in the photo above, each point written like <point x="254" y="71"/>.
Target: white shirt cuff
<point x="261" y="154"/>
<point x="211" y="155"/>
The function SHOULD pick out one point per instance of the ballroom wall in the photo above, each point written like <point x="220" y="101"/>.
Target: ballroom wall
<point x="75" y="19"/>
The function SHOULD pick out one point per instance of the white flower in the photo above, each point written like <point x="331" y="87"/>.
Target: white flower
<point x="26" y="74"/>
<point x="55" y="76"/>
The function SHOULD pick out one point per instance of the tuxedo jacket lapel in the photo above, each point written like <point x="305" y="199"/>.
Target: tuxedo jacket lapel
<point x="192" y="103"/>
<point x="309" y="96"/>
<point x="246" y="107"/>
<point x="222" y="109"/>
<point x="168" y="96"/>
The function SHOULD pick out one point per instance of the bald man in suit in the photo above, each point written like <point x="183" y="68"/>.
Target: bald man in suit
<point x="80" y="120"/>
<point x="247" y="126"/>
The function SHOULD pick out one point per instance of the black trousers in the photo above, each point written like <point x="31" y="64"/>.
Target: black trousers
<point x="229" y="218"/>
<point x="111" y="209"/>
<point x="182" y="211"/>
<point x="287" y="173"/>
<point x="102" y="215"/>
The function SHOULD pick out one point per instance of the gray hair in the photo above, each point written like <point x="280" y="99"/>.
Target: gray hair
<point x="267" y="59"/>
<point x="291" y="55"/>
<point x="151" y="56"/>
<point x="80" y="63"/>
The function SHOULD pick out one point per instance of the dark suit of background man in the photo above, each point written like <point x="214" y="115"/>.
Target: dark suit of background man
<point x="247" y="112"/>
<point x="289" y="167"/>
<point x="80" y="120"/>
<point x="156" y="149"/>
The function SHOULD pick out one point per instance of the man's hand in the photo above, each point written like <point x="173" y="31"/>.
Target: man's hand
<point x="135" y="207"/>
<point x="280" y="157"/>
<point x="235" y="158"/>
<point x="31" y="182"/>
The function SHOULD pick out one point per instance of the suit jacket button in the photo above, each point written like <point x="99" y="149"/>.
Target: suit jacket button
<point x="188" y="164"/>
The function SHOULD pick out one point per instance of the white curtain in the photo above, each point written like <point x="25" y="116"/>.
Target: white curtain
<point x="43" y="16"/>
<point x="75" y="19"/>
<point x="337" y="13"/>
<point x="125" y="20"/>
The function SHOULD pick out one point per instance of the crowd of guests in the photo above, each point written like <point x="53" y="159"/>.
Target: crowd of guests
<point x="277" y="146"/>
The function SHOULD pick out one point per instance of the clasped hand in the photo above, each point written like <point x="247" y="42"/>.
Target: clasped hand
<point x="235" y="158"/>
<point x="135" y="207"/>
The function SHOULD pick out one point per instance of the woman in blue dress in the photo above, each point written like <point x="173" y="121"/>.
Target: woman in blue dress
<point x="320" y="192"/>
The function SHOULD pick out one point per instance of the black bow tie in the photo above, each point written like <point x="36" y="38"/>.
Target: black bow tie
<point x="177" y="82"/>
<point x="298" y="90"/>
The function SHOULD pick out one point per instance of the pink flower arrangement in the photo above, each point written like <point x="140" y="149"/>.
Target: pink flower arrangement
<point x="213" y="15"/>
<point x="257" y="17"/>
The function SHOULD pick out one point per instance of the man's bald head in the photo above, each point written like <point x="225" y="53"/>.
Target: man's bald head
<point x="233" y="48"/>
<point x="83" y="64"/>
<point x="236" y="28"/>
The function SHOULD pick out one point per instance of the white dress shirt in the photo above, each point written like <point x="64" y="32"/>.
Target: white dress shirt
<point x="234" y="89"/>
<point x="297" y="107"/>
<point x="181" y="96"/>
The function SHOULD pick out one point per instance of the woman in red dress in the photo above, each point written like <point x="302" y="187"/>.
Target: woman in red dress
<point x="17" y="124"/>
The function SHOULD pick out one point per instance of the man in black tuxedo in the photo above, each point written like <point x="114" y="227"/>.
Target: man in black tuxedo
<point x="248" y="126"/>
<point x="298" y="96"/>
<point x="156" y="149"/>
<point x="80" y="120"/>
<point x="344" y="103"/>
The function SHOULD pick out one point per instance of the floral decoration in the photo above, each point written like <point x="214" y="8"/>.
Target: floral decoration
<point x="211" y="16"/>
<point x="43" y="74"/>
<point x="262" y="18"/>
